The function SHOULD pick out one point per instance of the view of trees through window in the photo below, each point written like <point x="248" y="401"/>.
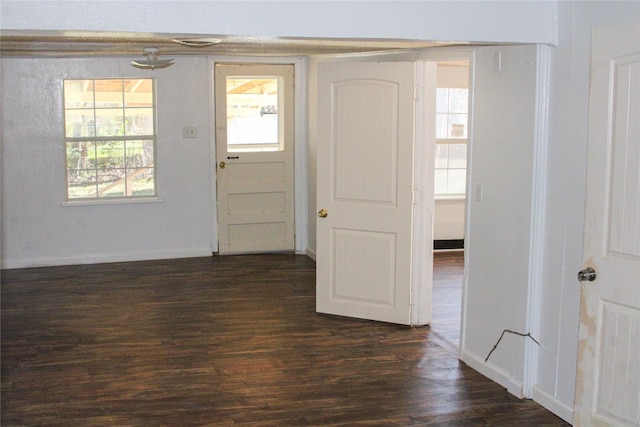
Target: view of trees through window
<point x="109" y="138"/>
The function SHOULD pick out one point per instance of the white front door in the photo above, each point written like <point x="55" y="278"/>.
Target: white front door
<point x="254" y="152"/>
<point x="608" y="375"/>
<point x="365" y="178"/>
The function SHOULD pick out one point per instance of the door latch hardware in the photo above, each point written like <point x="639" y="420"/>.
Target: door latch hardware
<point x="587" y="275"/>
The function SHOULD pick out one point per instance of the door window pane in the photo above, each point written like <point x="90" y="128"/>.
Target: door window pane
<point x="253" y="122"/>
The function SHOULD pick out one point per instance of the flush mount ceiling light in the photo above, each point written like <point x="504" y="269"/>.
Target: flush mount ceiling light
<point x="152" y="62"/>
<point x="199" y="42"/>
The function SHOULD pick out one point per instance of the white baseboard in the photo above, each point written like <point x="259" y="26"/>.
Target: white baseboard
<point x="105" y="258"/>
<point x="311" y="253"/>
<point x="514" y="386"/>
<point x="552" y="404"/>
<point x="494" y="373"/>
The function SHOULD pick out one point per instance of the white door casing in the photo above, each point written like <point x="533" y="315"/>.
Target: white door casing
<point x="365" y="179"/>
<point x="608" y="371"/>
<point x="423" y="196"/>
<point x="255" y="189"/>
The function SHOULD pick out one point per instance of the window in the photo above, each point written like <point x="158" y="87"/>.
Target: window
<point x="451" y="142"/>
<point x="253" y="122"/>
<point x="110" y="138"/>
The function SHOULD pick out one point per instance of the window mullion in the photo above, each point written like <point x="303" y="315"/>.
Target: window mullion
<point x="124" y="143"/>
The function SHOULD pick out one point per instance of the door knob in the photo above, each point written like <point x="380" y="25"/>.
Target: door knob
<point x="322" y="213"/>
<point x="587" y="275"/>
<point x="223" y="165"/>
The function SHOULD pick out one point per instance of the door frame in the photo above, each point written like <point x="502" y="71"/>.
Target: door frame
<point x="423" y="197"/>
<point x="424" y="171"/>
<point x="424" y="177"/>
<point x="422" y="233"/>
<point x="300" y="146"/>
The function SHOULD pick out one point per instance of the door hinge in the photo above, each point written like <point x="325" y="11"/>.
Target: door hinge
<point x="416" y="92"/>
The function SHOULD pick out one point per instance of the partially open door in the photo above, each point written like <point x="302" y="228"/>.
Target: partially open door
<point x="365" y="178"/>
<point x="608" y="371"/>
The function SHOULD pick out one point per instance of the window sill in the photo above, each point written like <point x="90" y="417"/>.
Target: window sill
<point x="113" y="201"/>
<point x="450" y="199"/>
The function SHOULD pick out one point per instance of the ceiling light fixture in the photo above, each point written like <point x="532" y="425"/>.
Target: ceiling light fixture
<point x="152" y="62"/>
<point x="199" y="42"/>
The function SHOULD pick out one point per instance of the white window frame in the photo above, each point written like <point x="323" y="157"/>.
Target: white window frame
<point x="439" y="141"/>
<point x="70" y="201"/>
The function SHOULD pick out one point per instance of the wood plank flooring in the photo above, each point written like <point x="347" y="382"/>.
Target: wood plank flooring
<point x="230" y="341"/>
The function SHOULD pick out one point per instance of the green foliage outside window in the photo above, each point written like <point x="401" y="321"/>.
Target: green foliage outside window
<point x="110" y="138"/>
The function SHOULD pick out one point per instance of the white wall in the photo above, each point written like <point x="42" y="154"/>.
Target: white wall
<point x="37" y="230"/>
<point x="522" y="21"/>
<point x="566" y="171"/>
<point x="448" y="219"/>
<point x="498" y="240"/>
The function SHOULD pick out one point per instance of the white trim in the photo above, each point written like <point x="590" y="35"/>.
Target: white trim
<point x="311" y="253"/>
<point x="300" y="155"/>
<point x="538" y="198"/>
<point x="494" y="373"/>
<point x="424" y="152"/>
<point x="213" y="163"/>
<point x="452" y="140"/>
<point x="107" y="257"/>
<point x="471" y="56"/>
<point x="300" y="144"/>
<point x="450" y="199"/>
<point x="552" y="404"/>
<point x="110" y="201"/>
<point x="423" y="206"/>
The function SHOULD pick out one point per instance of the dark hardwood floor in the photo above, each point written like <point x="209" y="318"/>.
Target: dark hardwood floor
<point x="230" y="341"/>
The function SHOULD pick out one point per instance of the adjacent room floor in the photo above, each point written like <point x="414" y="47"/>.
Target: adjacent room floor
<point x="230" y="341"/>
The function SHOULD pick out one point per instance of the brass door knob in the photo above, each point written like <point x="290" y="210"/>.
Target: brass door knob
<point x="322" y="213"/>
<point x="223" y="165"/>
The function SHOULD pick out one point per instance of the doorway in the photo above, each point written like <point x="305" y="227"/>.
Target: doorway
<point x="254" y="148"/>
<point x="450" y="196"/>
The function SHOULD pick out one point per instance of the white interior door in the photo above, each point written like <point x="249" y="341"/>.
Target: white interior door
<point x="365" y="173"/>
<point x="608" y="373"/>
<point x="254" y="152"/>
